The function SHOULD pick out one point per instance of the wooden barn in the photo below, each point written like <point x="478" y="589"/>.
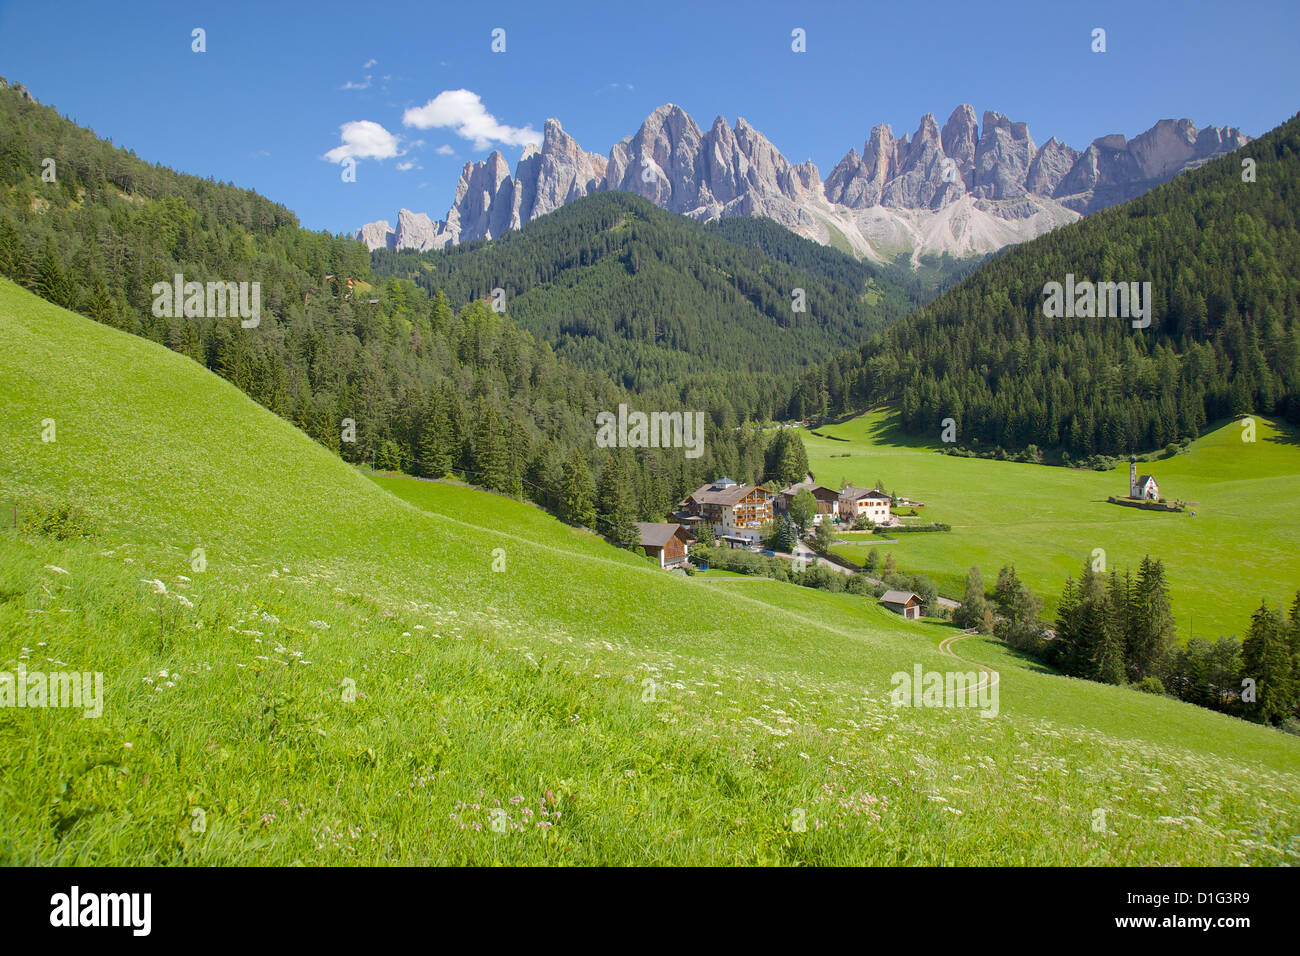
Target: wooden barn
<point x="902" y="602"/>
<point x="664" y="542"/>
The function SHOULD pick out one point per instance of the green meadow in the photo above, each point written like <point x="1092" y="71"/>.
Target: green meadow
<point x="1238" y="548"/>
<point x="306" y="664"/>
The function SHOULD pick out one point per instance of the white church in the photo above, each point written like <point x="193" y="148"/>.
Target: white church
<point x="1142" y="487"/>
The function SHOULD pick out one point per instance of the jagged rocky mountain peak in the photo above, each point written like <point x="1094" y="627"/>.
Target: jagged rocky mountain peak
<point x="964" y="188"/>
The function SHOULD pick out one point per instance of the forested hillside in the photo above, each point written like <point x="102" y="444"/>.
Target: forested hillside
<point x="386" y="374"/>
<point x="654" y="298"/>
<point x="1222" y="255"/>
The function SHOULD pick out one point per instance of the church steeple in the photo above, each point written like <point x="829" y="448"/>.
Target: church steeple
<point x="1132" y="476"/>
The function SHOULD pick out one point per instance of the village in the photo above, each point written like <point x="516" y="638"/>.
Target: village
<point x="738" y="515"/>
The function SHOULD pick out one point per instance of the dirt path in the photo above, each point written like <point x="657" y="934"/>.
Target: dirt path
<point x="991" y="677"/>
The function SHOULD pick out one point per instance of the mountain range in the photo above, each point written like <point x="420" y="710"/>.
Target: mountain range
<point x="966" y="188"/>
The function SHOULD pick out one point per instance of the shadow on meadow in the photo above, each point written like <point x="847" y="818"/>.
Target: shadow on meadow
<point x="1026" y="660"/>
<point x="886" y="430"/>
<point x="1286" y="435"/>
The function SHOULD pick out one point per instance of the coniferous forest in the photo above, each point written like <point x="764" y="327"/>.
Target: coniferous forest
<point x="658" y="300"/>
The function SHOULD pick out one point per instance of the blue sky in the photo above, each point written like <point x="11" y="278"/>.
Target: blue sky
<point x="266" y="101"/>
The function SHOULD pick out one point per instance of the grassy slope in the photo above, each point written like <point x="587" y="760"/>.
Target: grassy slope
<point x="1238" y="548"/>
<point x="477" y="689"/>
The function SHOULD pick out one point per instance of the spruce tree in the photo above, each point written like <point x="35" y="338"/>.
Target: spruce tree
<point x="1266" y="659"/>
<point x="1061" y="652"/>
<point x="433" y="451"/>
<point x="1005" y="591"/>
<point x="577" y="491"/>
<point x="1151" y="622"/>
<point x="1110" y="656"/>
<point x="616" y="503"/>
<point x="1093" y="627"/>
<point x="1114" y="668"/>
<point x="1293" y="639"/>
<point x="786" y="536"/>
<point x="491" y="448"/>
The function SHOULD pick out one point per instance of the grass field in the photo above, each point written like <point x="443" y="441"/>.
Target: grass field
<point x="342" y="676"/>
<point x="1239" y="547"/>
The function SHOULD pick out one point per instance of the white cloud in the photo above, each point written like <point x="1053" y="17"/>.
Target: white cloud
<point x="369" y="63"/>
<point x="363" y="85"/>
<point x="363" y="139"/>
<point x="463" y="112"/>
<point x="408" y="164"/>
<point x="445" y="150"/>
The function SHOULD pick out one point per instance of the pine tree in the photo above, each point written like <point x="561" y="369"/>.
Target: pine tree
<point x="52" y="282"/>
<point x="1093" y="627"/>
<point x="519" y="449"/>
<point x="577" y="491"/>
<point x="457" y="427"/>
<point x="1005" y="591"/>
<point x="786" y="536"/>
<point x="1110" y="655"/>
<point x="1061" y="652"/>
<point x="491" y="448"/>
<point x="440" y="316"/>
<point x="616" y="504"/>
<point x="433" y="453"/>
<point x="1266" y="658"/>
<point x="1151" y="622"/>
<point x="1293" y="639"/>
<point x="1113" y="663"/>
<point x="544" y="476"/>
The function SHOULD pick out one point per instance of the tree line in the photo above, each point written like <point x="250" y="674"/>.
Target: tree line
<point x="1118" y="628"/>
